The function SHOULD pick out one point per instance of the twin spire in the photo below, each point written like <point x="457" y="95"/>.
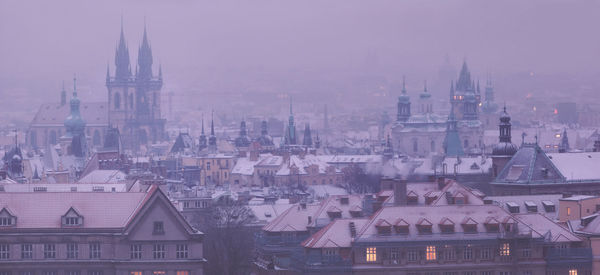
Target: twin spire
<point x="143" y="69"/>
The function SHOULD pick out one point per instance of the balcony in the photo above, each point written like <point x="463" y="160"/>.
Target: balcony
<point x="569" y="257"/>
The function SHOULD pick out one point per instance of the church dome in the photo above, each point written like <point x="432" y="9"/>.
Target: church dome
<point x="505" y="149"/>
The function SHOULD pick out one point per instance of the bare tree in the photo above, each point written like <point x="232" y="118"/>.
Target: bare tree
<point x="229" y="240"/>
<point x="356" y="180"/>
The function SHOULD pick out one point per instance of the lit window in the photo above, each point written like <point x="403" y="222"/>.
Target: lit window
<point x="158" y="273"/>
<point x="568" y="211"/>
<point x="573" y="272"/>
<point x="505" y="249"/>
<point x="430" y="254"/>
<point x="135" y="273"/>
<point x="371" y="254"/>
<point x="182" y="272"/>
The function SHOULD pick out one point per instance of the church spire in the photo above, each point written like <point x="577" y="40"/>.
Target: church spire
<point x="464" y="82"/>
<point x="123" y="67"/>
<point x="145" y="58"/>
<point x="63" y="95"/>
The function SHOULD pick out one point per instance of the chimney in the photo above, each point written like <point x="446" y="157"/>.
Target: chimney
<point x="400" y="192"/>
<point x="441" y="181"/>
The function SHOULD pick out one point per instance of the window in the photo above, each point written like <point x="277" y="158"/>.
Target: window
<point x="468" y="253"/>
<point x="486" y="253"/>
<point x="95" y="251"/>
<point x="526" y="252"/>
<point x="26" y="251"/>
<point x="573" y="272"/>
<point x="159" y="228"/>
<point x="415" y="145"/>
<point x="569" y="214"/>
<point x="412" y="255"/>
<point x="487" y="273"/>
<point x="182" y="272"/>
<point x="371" y="254"/>
<point x="49" y="251"/>
<point x="6" y="221"/>
<point x="182" y="251"/>
<point x="395" y="254"/>
<point x="71" y="221"/>
<point x="505" y="249"/>
<point x="208" y="166"/>
<point x="430" y="253"/>
<point x="49" y="272"/>
<point x="158" y="273"/>
<point x="4" y="251"/>
<point x="135" y="273"/>
<point x="158" y="251"/>
<point x="73" y="272"/>
<point x="449" y="253"/>
<point x="136" y="251"/>
<point x="95" y="272"/>
<point x="72" y="251"/>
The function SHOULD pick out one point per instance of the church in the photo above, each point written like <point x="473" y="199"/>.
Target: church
<point x="134" y="106"/>
<point x="424" y="133"/>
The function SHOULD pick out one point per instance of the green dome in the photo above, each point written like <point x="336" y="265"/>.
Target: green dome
<point x="74" y="122"/>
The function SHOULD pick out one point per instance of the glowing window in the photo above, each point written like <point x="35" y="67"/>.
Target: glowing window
<point x="430" y="254"/>
<point x="182" y="272"/>
<point x="573" y="272"/>
<point x="568" y="211"/>
<point x="505" y="249"/>
<point x="135" y="273"/>
<point x="371" y="254"/>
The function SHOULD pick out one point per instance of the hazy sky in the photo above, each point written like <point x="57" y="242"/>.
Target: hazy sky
<point x="44" y="42"/>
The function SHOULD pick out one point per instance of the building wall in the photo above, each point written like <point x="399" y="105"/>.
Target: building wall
<point x="574" y="210"/>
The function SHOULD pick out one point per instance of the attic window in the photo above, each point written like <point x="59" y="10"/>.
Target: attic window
<point x="158" y="228"/>
<point x="383" y="227"/>
<point x="469" y="225"/>
<point x="492" y="225"/>
<point x="446" y="226"/>
<point x="344" y="201"/>
<point x="549" y="206"/>
<point x="40" y="189"/>
<point x="531" y="206"/>
<point x="424" y="226"/>
<point x="72" y="218"/>
<point x="412" y="198"/>
<point x="401" y="227"/>
<point x="512" y="207"/>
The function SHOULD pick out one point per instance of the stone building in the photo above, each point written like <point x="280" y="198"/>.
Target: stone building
<point x="134" y="98"/>
<point x="104" y="233"/>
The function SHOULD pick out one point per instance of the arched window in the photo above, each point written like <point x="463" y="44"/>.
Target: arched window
<point x="117" y="101"/>
<point x="96" y="139"/>
<point x="415" y="145"/>
<point x="53" y="138"/>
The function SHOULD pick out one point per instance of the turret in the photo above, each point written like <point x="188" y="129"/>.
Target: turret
<point x="426" y="106"/>
<point x="452" y="145"/>
<point x="505" y="149"/>
<point x="403" y="104"/>
<point x="564" y="142"/>
<point x="202" y="142"/>
<point x="212" y="140"/>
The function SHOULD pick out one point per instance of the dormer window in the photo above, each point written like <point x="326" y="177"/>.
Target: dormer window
<point x="469" y="225"/>
<point x="424" y="226"/>
<point x="446" y="226"/>
<point x="72" y="218"/>
<point x="334" y="212"/>
<point x="412" y="198"/>
<point x="383" y="227"/>
<point x="492" y="225"/>
<point x="7" y="219"/>
<point x="531" y="207"/>
<point x="344" y="200"/>
<point x="548" y="206"/>
<point x="401" y="227"/>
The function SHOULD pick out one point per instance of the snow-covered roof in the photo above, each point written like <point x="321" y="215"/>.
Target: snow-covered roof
<point x="103" y="176"/>
<point x="335" y="235"/>
<point x="549" y="229"/>
<point x="577" y="166"/>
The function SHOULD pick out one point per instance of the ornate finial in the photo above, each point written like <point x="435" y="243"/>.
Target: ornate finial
<point x="74" y="85"/>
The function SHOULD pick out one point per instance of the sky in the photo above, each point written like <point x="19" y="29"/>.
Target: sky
<point x="43" y="43"/>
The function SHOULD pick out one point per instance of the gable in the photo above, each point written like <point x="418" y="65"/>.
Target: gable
<point x="144" y="226"/>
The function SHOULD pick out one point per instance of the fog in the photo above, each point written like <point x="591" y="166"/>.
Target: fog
<point x="213" y="46"/>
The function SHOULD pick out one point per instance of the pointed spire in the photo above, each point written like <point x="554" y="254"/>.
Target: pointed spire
<point x="202" y="123"/>
<point x="160" y="71"/>
<point x="212" y="123"/>
<point x="63" y="95"/>
<point x="107" y="72"/>
<point x="291" y="113"/>
<point x="145" y="58"/>
<point x="403" y="84"/>
<point x="478" y="90"/>
<point x="123" y="67"/>
<point x="425" y="86"/>
<point x="74" y="85"/>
